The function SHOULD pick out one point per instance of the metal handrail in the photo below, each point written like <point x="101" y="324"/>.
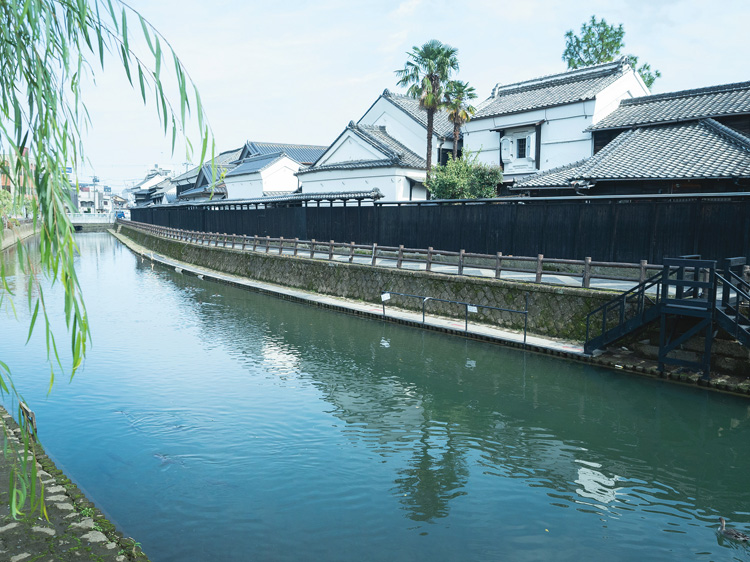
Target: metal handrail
<point x="727" y="288"/>
<point x="386" y="295"/>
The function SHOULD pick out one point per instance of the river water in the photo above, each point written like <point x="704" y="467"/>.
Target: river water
<point x="212" y="423"/>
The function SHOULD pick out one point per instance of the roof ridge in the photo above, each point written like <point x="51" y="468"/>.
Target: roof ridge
<point x="727" y="132"/>
<point x="687" y="93"/>
<point x="573" y="75"/>
<point x="374" y="141"/>
<point x="286" y="144"/>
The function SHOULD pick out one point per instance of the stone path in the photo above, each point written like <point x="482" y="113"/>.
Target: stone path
<point x="74" y="528"/>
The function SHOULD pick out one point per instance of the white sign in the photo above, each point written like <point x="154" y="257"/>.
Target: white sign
<point x="471" y="308"/>
<point x="385" y="297"/>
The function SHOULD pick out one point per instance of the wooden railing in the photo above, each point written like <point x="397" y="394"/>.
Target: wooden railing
<point x="419" y="258"/>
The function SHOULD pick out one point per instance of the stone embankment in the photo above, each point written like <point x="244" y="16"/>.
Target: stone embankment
<point x="74" y="529"/>
<point x="13" y="235"/>
<point x="556" y="314"/>
<point x="554" y="311"/>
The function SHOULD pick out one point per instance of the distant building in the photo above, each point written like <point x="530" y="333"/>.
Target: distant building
<point x="140" y="193"/>
<point x="253" y="170"/>
<point x="262" y="175"/>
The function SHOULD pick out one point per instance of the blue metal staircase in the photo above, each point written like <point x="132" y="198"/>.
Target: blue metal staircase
<point x="683" y="296"/>
<point x="732" y="308"/>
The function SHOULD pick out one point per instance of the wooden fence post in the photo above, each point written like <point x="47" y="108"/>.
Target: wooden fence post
<point x="268" y="243"/>
<point x="255" y="242"/>
<point x="642" y="275"/>
<point x="461" y="262"/>
<point x="374" y="253"/>
<point x="312" y="247"/>
<point x="351" y="252"/>
<point x="428" y="266"/>
<point x="400" y="258"/>
<point x="586" y="282"/>
<point x="539" y="260"/>
<point x="330" y="250"/>
<point x="296" y="246"/>
<point x="498" y="265"/>
<point x="281" y="245"/>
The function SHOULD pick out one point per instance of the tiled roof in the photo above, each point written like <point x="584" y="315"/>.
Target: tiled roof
<point x="222" y="161"/>
<point x="554" y="178"/>
<point x="394" y="153"/>
<point x="716" y="101"/>
<point x="220" y="192"/>
<point x="302" y="153"/>
<point x="293" y="197"/>
<point x="188" y="176"/>
<point x="702" y="149"/>
<point x="442" y="126"/>
<point x="255" y="164"/>
<point x="548" y="91"/>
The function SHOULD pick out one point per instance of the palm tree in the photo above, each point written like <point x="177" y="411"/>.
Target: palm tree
<point x="426" y="75"/>
<point x="457" y="96"/>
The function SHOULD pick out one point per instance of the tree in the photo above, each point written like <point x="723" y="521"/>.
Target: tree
<point x="465" y="178"/>
<point x="457" y="96"/>
<point x="426" y="75"/>
<point x="600" y="42"/>
<point x="45" y="48"/>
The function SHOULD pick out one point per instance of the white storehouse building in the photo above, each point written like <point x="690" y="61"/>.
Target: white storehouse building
<point x="384" y="150"/>
<point x="544" y="123"/>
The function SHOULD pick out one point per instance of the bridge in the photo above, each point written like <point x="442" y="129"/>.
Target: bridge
<point x="91" y="222"/>
<point x="689" y="296"/>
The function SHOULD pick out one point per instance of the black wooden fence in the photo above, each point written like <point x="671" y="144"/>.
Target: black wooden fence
<point x="616" y="229"/>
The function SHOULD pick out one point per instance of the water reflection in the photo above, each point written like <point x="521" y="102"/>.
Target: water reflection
<point x="592" y="437"/>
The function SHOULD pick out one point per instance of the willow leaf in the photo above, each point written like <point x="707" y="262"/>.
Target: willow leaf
<point x="33" y="321"/>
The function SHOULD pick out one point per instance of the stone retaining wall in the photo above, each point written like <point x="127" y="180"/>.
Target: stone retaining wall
<point x="11" y="236"/>
<point x="554" y="311"/>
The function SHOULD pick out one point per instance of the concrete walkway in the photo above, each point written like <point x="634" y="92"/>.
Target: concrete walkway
<point x="361" y="308"/>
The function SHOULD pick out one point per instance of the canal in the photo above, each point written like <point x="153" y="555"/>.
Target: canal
<point x="212" y="423"/>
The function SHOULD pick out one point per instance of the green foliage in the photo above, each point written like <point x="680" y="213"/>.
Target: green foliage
<point x="457" y="97"/>
<point x="45" y="48"/>
<point x="426" y="75"/>
<point x="601" y="42"/>
<point x="6" y="206"/>
<point x="465" y="178"/>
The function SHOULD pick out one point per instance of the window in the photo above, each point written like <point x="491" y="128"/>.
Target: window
<point x="521" y="148"/>
<point x="518" y="148"/>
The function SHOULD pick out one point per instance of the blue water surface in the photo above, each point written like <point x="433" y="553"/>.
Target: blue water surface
<point x="211" y="423"/>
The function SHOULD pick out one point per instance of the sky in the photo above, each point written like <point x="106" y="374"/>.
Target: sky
<point x="298" y="72"/>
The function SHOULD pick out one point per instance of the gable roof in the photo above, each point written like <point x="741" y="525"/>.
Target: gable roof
<point x="394" y="153"/>
<point x="224" y="162"/>
<point x="716" y="101"/>
<point x="255" y="164"/>
<point x="302" y="153"/>
<point x="556" y="89"/>
<point x="441" y="126"/>
<point x="703" y="149"/>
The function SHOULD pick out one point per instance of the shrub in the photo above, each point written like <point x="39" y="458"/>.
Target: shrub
<point x="464" y="178"/>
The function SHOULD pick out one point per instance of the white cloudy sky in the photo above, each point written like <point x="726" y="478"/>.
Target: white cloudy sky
<point x="299" y="71"/>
